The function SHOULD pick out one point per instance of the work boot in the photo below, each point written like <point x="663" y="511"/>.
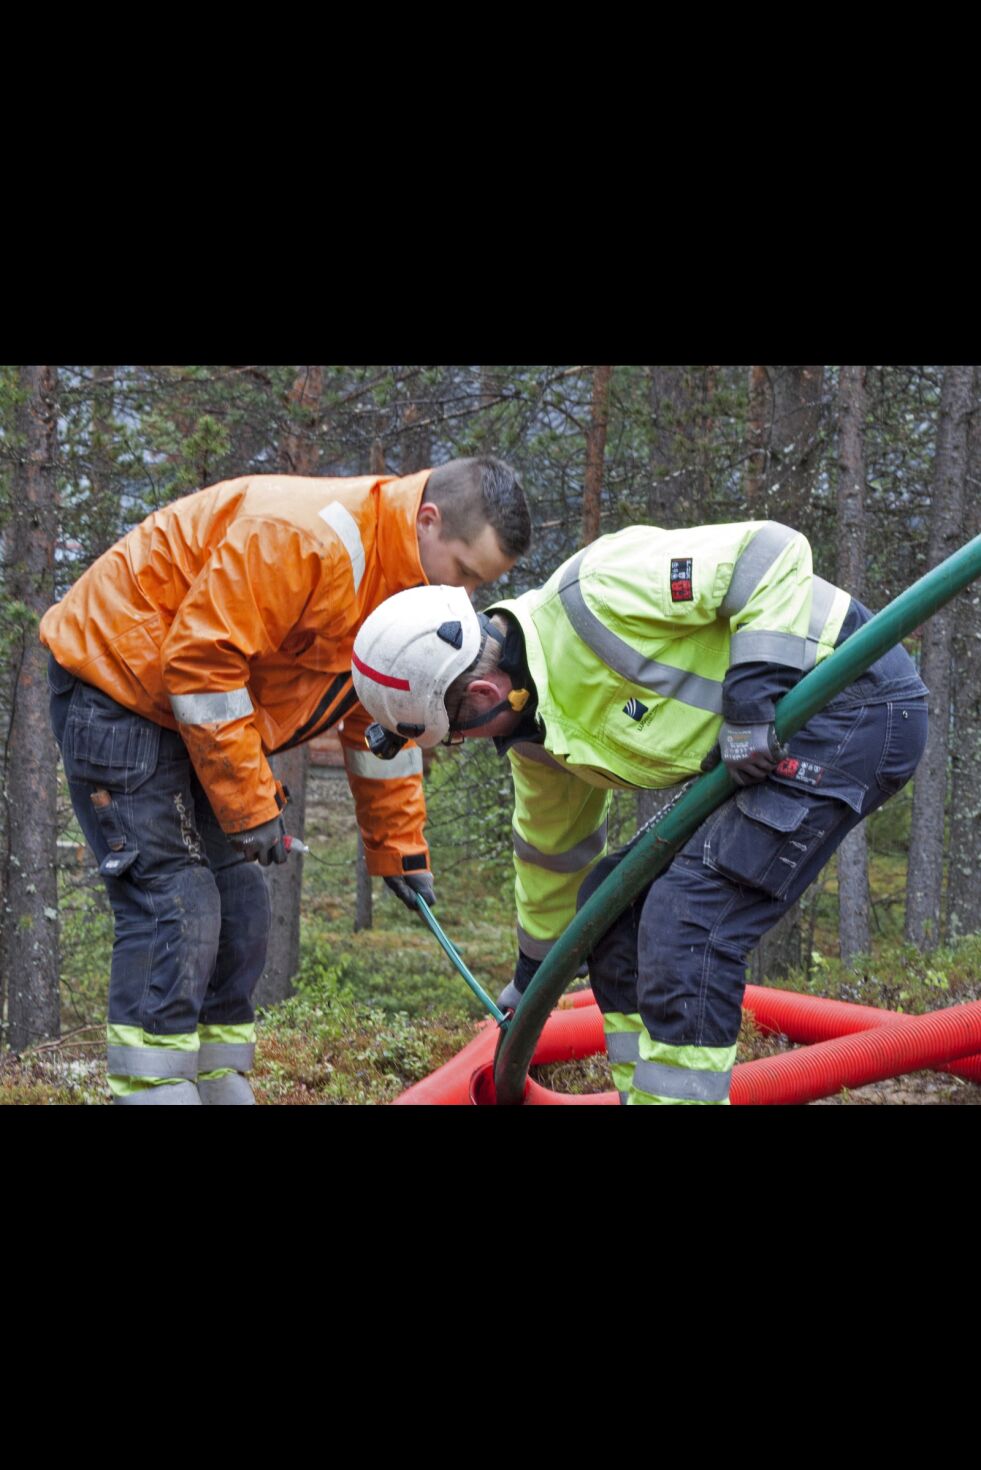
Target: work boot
<point x="230" y="1090"/>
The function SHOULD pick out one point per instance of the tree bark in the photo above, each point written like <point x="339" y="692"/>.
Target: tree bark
<point x="29" y="937"/>
<point x="681" y="425"/>
<point x="792" y="411"/>
<point x="964" y="864"/>
<point x="786" y="414"/>
<point x="757" y="436"/>
<point x="103" y="497"/>
<point x="301" y="451"/>
<point x="853" y="864"/>
<point x="285" y="882"/>
<point x="595" y="451"/>
<point x="925" y="874"/>
<point x="363" y="905"/>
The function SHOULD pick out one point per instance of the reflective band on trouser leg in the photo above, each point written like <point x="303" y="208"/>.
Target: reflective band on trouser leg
<point x="226" y="1049"/>
<point x="622" y="1048"/>
<point x="681" y="1074"/>
<point x="573" y="860"/>
<point x="139" y="1063"/>
<point x="214" y="708"/>
<point x="175" y="1094"/>
<point x="226" y="1052"/>
<point x="535" y="949"/>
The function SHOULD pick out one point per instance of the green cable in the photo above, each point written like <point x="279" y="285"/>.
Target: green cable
<point x="450" y="949"/>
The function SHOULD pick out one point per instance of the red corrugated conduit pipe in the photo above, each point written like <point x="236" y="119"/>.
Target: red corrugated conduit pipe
<point x="897" y="1044"/>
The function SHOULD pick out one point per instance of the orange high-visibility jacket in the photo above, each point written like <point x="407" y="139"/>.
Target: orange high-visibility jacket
<point x="230" y="615"/>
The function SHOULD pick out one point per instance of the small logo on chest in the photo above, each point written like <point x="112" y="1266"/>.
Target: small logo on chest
<point x="635" y="709"/>
<point x="681" y="580"/>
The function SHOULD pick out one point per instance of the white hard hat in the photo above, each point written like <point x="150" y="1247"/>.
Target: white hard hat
<point x="407" y="654"/>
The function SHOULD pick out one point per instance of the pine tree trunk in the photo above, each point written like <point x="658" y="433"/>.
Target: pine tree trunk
<point x="925" y="874"/>
<point x="853" y="865"/>
<point x="103" y="498"/>
<point x="595" y="452"/>
<point x="363" y="902"/>
<point x="285" y="881"/>
<point x="792" y="456"/>
<point x="301" y="451"/>
<point x="29" y="936"/>
<point x="760" y="401"/>
<point x="964" y="867"/>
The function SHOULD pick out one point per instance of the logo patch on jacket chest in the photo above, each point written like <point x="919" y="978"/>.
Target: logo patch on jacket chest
<point x="635" y="709"/>
<point x="681" y="580"/>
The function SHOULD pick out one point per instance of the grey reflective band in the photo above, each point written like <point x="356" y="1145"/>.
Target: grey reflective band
<point x="623" y="1046"/>
<point x="211" y="709"/>
<point x="363" y="763"/>
<point x="663" y="679"/>
<point x="529" y="751"/>
<point x="679" y="1082"/>
<point x="752" y="566"/>
<point x="623" y="1097"/>
<point x="151" y="1061"/>
<point x="170" y="1094"/>
<point x="569" y="861"/>
<point x="750" y="647"/>
<point x="215" y="1054"/>
<point x="823" y="596"/>
<point x="341" y="521"/>
<point x="535" y="949"/>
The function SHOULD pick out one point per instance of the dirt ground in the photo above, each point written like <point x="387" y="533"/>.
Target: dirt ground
<point x="918" y="1089"/>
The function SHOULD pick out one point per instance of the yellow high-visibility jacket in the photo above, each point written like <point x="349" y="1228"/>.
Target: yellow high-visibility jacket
<point x="638" y="647"/>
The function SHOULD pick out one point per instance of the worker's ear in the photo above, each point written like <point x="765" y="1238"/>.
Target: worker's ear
<point x="483" y="694"/>
<point x="429" y="515"/>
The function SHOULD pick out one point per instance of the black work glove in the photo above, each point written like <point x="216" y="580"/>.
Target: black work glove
<point x="750" y="752"/>
<point x="264" y="844"/>
<point x="524" y="972"/>
<point x="409" y="885"/>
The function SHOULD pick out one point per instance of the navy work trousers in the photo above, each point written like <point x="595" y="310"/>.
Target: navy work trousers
<point x="191" y="916"/>
<point x="678" y="954"/>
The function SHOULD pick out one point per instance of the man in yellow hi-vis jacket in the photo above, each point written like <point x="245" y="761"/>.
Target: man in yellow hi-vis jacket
<point x="643" y="659"/>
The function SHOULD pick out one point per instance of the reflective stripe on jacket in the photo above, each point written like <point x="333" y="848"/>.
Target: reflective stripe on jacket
<point x="629" y="643"/>
<point x="230" y="615"/>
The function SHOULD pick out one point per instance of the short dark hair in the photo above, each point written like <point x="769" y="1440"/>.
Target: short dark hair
<point x="472" y="493"/>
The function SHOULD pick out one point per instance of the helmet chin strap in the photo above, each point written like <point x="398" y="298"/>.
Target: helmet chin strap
<point x="511" y="663"/>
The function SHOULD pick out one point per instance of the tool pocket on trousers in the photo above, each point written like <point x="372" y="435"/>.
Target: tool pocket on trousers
<point x="763" y="837"/>
<point x="108" y="744"/>
<point x="121" y="855"/>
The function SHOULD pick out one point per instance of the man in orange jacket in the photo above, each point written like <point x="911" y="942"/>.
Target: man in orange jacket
<point x="215" y="634"/>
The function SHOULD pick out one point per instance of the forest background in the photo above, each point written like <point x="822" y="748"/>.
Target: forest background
<point x="879" y="466"/>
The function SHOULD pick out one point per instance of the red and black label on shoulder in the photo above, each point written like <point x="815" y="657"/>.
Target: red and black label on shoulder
<point x="681" y="579"/>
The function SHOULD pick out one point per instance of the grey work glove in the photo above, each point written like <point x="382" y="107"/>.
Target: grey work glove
<point x="409" y="885"/>
<point x="524" y="972"/>
<point x="264" y="844"/>
<point x="750" y="752"/>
